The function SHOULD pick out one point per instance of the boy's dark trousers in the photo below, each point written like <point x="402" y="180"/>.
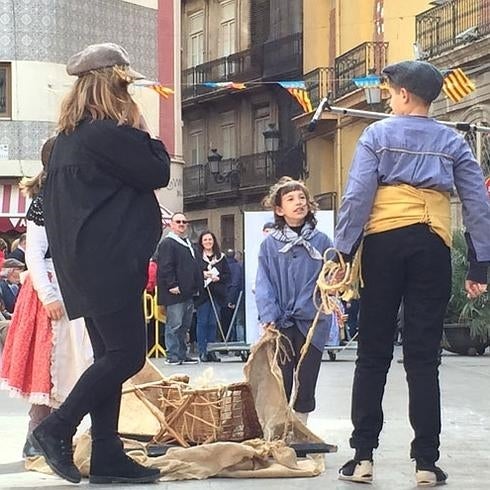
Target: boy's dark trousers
<point x="412" y="263"/>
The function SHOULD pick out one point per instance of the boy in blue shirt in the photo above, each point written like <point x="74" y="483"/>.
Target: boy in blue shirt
<point x="397" y="202"/>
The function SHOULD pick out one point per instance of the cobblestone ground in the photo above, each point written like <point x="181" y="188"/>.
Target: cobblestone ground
<point x="465" y="454"/>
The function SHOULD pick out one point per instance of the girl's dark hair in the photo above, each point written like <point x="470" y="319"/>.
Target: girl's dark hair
<point x="282" y="187"/>
<point x="31" y="186"/>
<point x="216" y="247"/>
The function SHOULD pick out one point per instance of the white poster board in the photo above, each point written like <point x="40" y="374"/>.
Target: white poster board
<point x="253" y="223"/>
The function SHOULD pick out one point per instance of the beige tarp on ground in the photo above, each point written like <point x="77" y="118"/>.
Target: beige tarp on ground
<point x="267" y="458"/>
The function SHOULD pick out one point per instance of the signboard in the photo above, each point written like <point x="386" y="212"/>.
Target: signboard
<point x="253" y="235"/>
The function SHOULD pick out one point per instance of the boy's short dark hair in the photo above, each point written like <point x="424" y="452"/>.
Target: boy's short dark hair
<point x="418" y="77"/>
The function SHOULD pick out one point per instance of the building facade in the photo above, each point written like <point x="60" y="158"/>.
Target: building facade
<point x="38" y="36"/>
<point x="347" y="39"/>
<point x="257" y="42"/>
<point x="457" y="34"/>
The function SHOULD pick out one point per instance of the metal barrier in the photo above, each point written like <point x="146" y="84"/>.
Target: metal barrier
<point x="154" y="311"/>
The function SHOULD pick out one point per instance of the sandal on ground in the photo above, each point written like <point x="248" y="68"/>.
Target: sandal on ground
<point x="357" y="471"/>
<point x="430" y="476"/>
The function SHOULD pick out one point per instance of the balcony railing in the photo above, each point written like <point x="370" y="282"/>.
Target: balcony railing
<point x="284" y="57"/>
<point x="454" y="23"/>
<point x="320" y="83"/>
<point x="238" y="67"/>
<point x="247" y="172"/>
<point x="358" y="62"/>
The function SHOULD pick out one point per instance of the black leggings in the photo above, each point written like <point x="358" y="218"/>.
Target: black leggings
<point x="119" y="343"/>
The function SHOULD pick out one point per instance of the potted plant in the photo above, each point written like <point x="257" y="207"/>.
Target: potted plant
<point x="467" y="322"/>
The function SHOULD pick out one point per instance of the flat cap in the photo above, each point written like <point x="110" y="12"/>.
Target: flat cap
<point x="418" y="77"/>
<point x="98" y="56"/>
<point x="13" y="264"/>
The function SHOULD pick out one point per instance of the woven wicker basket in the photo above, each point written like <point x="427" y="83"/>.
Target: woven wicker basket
<point x="199" y="416"/>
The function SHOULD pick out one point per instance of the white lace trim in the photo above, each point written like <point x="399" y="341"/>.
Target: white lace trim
<point x="32" y="398"/>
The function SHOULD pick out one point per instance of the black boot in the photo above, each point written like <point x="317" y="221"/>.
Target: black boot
<point x="54" y="441"/>
<point x="109" y="464"/>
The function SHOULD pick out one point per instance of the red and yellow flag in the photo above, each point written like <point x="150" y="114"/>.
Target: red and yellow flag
<point x="457" y="85"/>
<point x="298" y="90"/>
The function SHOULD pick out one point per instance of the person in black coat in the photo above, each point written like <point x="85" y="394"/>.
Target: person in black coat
<point x="179" y="281"/>
<point x="103" y="223"/>
<point x="216" y="275"/>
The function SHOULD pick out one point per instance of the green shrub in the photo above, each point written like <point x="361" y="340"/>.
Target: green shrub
<point x="474" y="313"/>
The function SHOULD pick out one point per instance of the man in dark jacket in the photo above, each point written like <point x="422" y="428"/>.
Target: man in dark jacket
<point x="179" y="281"/>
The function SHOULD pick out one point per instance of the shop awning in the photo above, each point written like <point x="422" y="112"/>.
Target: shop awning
<point x="13" y="207"/>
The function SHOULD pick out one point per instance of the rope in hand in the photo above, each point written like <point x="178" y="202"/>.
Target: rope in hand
<point x="337" y="281"/>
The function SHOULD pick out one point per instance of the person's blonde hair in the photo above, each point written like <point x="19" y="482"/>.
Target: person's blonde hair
<point x="100" y="94"/>
<point x="283" y="186"/>
<point x="30" y="186"/>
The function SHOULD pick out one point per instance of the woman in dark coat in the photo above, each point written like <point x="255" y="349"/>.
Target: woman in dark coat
<point x="103" y="223"/>
<point x="216" y="278"/>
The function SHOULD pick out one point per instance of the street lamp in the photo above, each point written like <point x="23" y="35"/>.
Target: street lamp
<point x="232" y="176"/>
<point x="272" y="137"/>
<point x="371" y="84"/>
<point x="213" y="161"/>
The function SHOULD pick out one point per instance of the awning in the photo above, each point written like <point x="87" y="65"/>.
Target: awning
<point x="166" y="216"/>
<point x="13" y="207"/>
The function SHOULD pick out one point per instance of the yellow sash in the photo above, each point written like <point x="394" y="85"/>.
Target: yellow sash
<point x="401" y="205"/>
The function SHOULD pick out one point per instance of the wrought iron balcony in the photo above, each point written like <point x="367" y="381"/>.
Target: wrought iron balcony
<point x="246" y="173"/>
<point x="320" y="83"/>
<point x="283" y="57"/>
<point x="238" y="67"/>
<point x="358" y="62"/>
<point x="451" y="24"/>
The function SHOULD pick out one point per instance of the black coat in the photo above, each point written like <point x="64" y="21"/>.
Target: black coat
<point x="219" y="289"/>
<point x="176" y="267"/>
<point x="102" y="218"/>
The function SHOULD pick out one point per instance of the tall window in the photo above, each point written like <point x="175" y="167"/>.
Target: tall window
<point x="227" y="231"/>
<point x="227" y="31"/>
<point x="228" y="134"/>
<point x="262" y="118"/>
<point x="195" y="40"/>
<point x="196" y="143"/>
<point x="5" y="90"/>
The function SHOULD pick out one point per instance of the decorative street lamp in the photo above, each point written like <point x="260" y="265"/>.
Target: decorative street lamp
<point x="214" y="158"/>
<point x="232" y="176"/>
<point x="371" y="84"/>
<point x="272" y="137"/>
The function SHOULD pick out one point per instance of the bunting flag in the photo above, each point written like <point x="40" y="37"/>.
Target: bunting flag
<point x="369" y="81"/>
<point x="235" y="85"/>
<point x="165" y="92"/>
<point x="457" y="85"/>
<point x="298" y="91"/>
<point x="160" y="89"/>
